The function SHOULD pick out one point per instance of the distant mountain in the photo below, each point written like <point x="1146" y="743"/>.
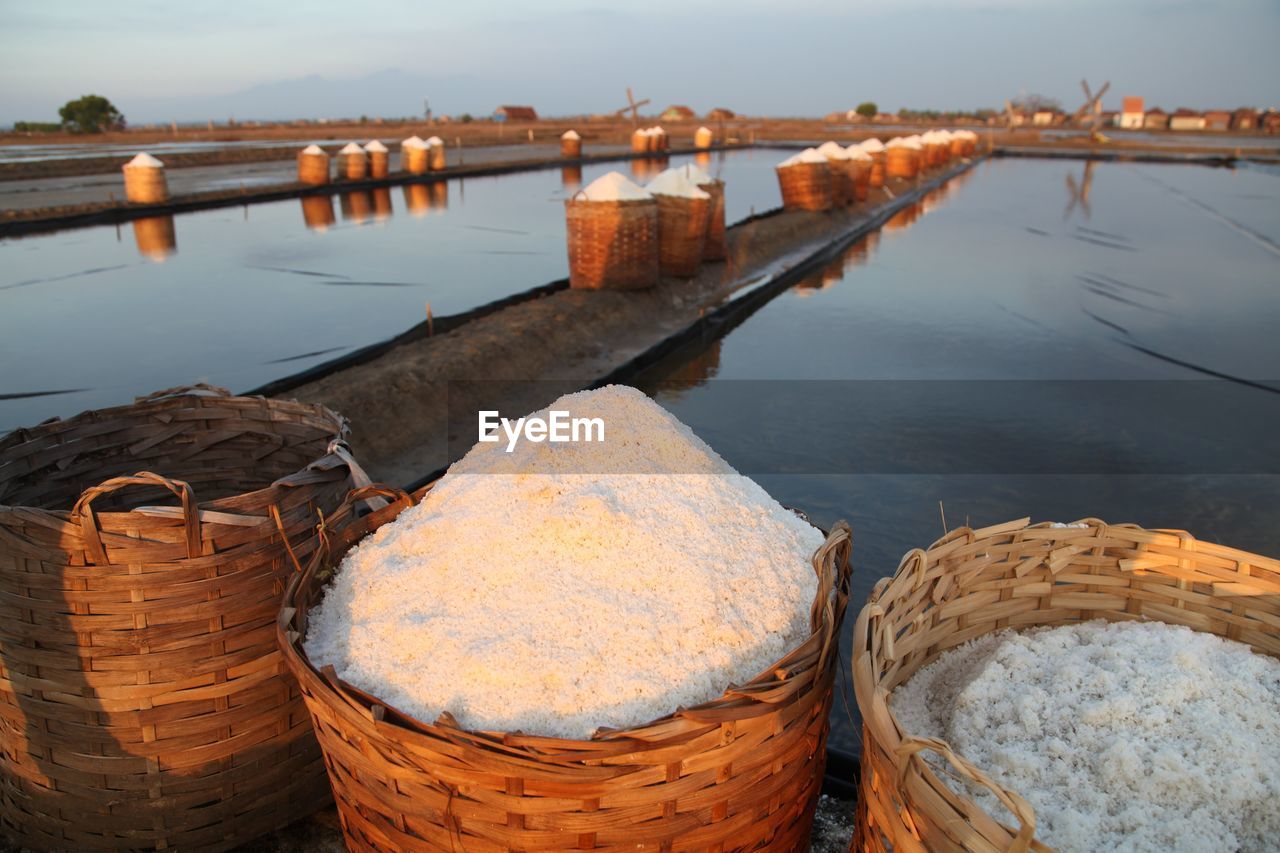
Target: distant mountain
<point x="391" y="93"/>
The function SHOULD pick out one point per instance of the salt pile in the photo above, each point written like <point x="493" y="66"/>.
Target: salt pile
<point x="434" y="141"/>
<point x="144" y="161"/>
<point x="808" y="155"/>
<point x="615" y="186"/>
<point x="313" y="149"/>
<point x="570" y="134"/>
<point x="872" y="145"/>
<point x="376" y="147"/>
<point x="1140" y="735"/>
<point x="857" y="152"/>
<point x="555" y="603"/>
<point x="696" y="174"/>
<point x="413" y="142"/>
<point x="833" y="151"/>
<point x="351" y="148"/>
<point x="675" y="182"/>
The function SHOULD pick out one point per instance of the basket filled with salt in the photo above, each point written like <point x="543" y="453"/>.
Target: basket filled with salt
<point x="612" y="227"/>
<point x="143" y="549"/>
<point x="860" y="165"/>
<point x="353" y="162"/>
<point x="876" y="149"/>
<point x="903" y="157"/>
<point x="1083" y="686"/>
<point x="805" y="181"/>
<point x="716" y="247"/>
<point x="571" y="144"/>
<point x="414" y="156"/>
<point x="379" y="159"/>
<point x="566" y="659"/>
<point x="683" y="211"/>
<point x="842" y="190"/>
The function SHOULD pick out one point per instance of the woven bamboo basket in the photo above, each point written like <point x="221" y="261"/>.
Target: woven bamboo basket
<point x="717" y="247"/>
<point x="653" y="142"/>
<point x="900" y="162"/>
<point x="639" y="142"/>
<point x="805" y="186"/>
<point x="436" y="155"/>
<point x="379" y="164"/>
<point x="860" y="174"/>
<point x="613" y="245"/>
<point x="682" y="234"/>
<point x="877" y="170"/>
<point x="414" y="159"/>
<point x="145" y="184"/>
<point x="317" y="212"/>
<point x="155" y="237"/>
<point x="972" y="582"/>
<point x="742" y="772"/>
<point x="353" y="166"/>
<point x="313" y="168"/>
<point x="143" y="700"/>
<point x="843" y="193"/>
<point x="570" y="147"/>
<point x="970" y="146"/>
<point x="957" y="146"/>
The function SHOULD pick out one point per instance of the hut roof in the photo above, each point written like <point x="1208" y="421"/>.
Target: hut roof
<point x="518" y="113"/>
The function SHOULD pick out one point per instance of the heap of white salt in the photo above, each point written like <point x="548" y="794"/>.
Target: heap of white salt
<point x="857" y="152"/>
<point x="872" y="145"/>
<point x="560" y="601"/>
<point x="833" y="151"/>
<point x="808" y="155"/>
<point x="615" y="186"/>
<point x="696" y="173"/>
<point x="434" y="141"/>
<point x="1141" y="736"/>
<point x="413" y="142"/>
<point x="912" y="142"/>
<point x="144" y="161"/>
<point x="676" y="182"/>
<point x="376" y="147"/>
<point x="313" y="149"/>
<point x="351" y="148"/>
<point x="570" y="134"/>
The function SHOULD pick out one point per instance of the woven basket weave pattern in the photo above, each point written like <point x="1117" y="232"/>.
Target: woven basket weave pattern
<point x="313" y="168"/>
<point x="682" y="234"/>
<point x="143" y="701"/>
<point x="1015" y="575"/>
<point x="716" y="248"/>
<point x="805" y="186"/>
<point x="612" y="245"/>
<point x="145" y="184"/>
<point x="739" y="773"/>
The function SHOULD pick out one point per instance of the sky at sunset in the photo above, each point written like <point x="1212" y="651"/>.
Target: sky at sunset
<point x="191" y="61"/>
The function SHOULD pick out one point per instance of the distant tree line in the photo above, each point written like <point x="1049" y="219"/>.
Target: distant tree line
<point x="944" y="115"/>
<point x="86" y="114"/>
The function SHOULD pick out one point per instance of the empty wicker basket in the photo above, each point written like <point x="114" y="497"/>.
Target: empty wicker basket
<point x="716" y="248"/>
<point x="143" y="701"/>
<point x="972" y="582"/>
<point x="613" y="245"/>
<point x="742" y="772"/>
<point x="805" y="186"/>
<point x="682" y="234"/>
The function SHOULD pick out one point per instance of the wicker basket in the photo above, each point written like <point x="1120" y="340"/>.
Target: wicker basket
<point x="703" y="138"/>
<point x="570" y="147"/>
<point x="145" y="184"/>
<point x="742" y="772"/>
<point x="639" y="142"/>
<point x="313" y="168"/>
<point x="414" y="159"/>
<point x="613" y="245"/>
<point x="155" y="237"/>
<point x="860" y="174"/>
<point x="682" y="234"/>
<point x="877" y="170"/>
<point x="957" y="146"/>
<point x="843" y="193"/>
<point x="143" y="700"/>
<point x="317" y="212"/>
<point x="436" y="155"/>
<point x="901" y="162"/>
<point x="353" y="166"/>
<point x="379" y="164"/>
<point x="973" y="582"/>
<point x="717" y="247"/>
<point x="805" y="186"/>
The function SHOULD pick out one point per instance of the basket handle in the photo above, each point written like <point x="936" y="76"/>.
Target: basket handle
<point x="83" y="509"/>
<point x="200" y="389"/>
<point x="1020" y="808"/>
<point x="831" y="562"/>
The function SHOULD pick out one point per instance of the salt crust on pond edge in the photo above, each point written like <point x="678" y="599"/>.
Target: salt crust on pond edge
<point x="557" y="602"/>
<point x="1136" y="735"/>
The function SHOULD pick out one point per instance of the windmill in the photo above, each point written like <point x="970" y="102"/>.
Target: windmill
<point x="1010" y="116"/>
<point x="634" y="106"/>
<point x="1091" y="111"/>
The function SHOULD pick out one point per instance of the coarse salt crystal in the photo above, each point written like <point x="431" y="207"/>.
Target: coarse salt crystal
<point x="615" y="186"/>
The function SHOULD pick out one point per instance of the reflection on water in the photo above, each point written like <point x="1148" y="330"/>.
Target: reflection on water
<point x="155" y="237"/>
<point x="1078" y="193"/>
<point x="645" y="169"/>
<point x="356" y="206"/>
<point x="382" y="209"/>
<point x="317" y="212"/>
<point x="571" y="177"/>
<point x="703" y="159"/>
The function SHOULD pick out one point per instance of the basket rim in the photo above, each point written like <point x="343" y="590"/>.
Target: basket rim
<point x="574" y="201"/>
<point x="757" y="696"/>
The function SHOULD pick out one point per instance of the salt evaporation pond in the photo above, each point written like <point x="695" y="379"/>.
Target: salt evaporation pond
<point x="949" y="358"/>
<point x="250" y="294"/>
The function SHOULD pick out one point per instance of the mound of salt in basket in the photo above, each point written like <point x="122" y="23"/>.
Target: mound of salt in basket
<point x="716" y="248"/>
<point x="353" y="162"/>
<point x="842" y="190"/>
<point x="313" y="166"/>
<point x="805" y="181"/>
<point x="957" y="144"/>
<point x="612" y="227"/>
<point x="144" y="181"/>
<point x="571" y="144"/>
<point x="143" y="701"/>
<point x="901" y="158"/>
<point x="876" y="149"/>
<point x="703" y="138"/>
<point x="414" y="158"/>
<point x="971" y="583"/>
<point x="639" y="141"/>
<point x="683" y="211"/>
<point x="379" y="159"/>
<point x="860" y="165"/>
<point x="741" y="771"/>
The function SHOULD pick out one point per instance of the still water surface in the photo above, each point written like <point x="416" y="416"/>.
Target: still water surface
<point x="1135" y="285"/>
<point x="241" y="296"/>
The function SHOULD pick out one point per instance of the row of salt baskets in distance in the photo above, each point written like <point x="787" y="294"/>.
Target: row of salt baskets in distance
<point x="833" y="175"/>
<point x="356" y="162"/>
<point x="622" y="236"/>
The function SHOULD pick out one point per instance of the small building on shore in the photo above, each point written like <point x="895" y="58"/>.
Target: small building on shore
<point x="1270" y="121"/>
<point x="512" y="113"/>
<point x="1044" y="118"/>
<point x="1217" y="120"/>
<point x="1131" y="113"/>
<point x="721" y="114"/>
<point x="678" y="112"/>
<point x="1245" y="118"/>
<point x="1185" y="119"/>
<point x="1155" y="119"/>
